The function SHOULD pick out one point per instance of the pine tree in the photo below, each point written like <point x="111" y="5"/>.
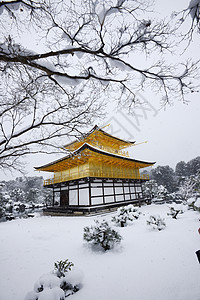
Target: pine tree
<point x="125" y="214"/>
<point x="102" y="234"/>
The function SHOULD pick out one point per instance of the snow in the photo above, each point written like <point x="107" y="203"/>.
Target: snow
<point x="74" y="277"/>
<point x="193" y="6"/>
<point x="102" y="15"/>
<point x="153" y="265"/>
<point x="47" y="280"/>
<point x="112" y="10"/>
<point x="14" y="5"/>
<point x="197" y="203"/>
<point x="1" y="10"/>
<point x="66" y="36"/>
<point x="191" y="200"/>
<point x="79" y="54"/>
<point x="52" y="294"/>
<point x="194" y="3"/>
<point x="67" y="80"/>
<point x="178" y="206"/>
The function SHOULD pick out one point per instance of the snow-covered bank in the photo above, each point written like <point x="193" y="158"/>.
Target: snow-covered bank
<point x="148" y="265"/>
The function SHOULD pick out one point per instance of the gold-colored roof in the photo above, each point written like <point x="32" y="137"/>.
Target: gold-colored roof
<point x="98" y="137"/>
<point x="86" y="152"/>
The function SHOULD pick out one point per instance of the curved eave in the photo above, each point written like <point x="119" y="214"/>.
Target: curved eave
<point x="72" y="159"/>
<point x="143" y="164"/>
<point x="73" y="145"/>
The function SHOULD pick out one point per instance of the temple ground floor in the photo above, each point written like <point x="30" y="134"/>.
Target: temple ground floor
<point x="91" y="195"/>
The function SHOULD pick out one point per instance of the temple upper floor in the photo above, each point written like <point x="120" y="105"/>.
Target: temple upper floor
<point x="100" y="139"/>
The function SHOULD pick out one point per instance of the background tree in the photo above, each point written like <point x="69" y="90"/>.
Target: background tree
<point x="187" y="187"/>
<point x="87" y="53"/>
<point x="181" y="169"/>
<point x="151" y="189"/>
<point x="164" y="175"/>
<point x="193" y="166"/>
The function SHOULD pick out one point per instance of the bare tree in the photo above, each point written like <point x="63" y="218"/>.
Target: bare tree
<point x="88" y="54"/>
<point x="191" y="15"/>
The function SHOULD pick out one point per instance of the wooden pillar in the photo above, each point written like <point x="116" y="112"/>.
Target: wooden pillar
<point x="53" y="197"/>
<point x="123" y="190"/>
<point x="103" y="192"/>
<point x="129" y="186"/>
<point x="60" y="195"/>
<point x="139" y="200"/>
<point x="114" y="190"/>
<point x="78" y="191"/>
<point x="142" y="190"/>
<point x="135" y="191"/>
<point x="90" y="202"/>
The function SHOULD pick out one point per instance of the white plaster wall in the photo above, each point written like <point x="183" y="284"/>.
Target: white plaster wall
<point x="127" y="197"/>
<point x="119" y="198"/>
<point x="119" y="190"/>
<point x="108" y="191"/>
<point x="108" y="183"/>
<point x="97" y="200"/>
<point x="126" y="189"/>
<point x="84" y="196"/>
<point x="96" y="191"/>
<point x="133" y="196"/>
<point x="109" y="199"/>
<point x="73" y="197"/>
<point x="138" y="189"/>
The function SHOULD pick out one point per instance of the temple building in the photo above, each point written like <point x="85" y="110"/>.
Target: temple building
<point x="98" y="174"/>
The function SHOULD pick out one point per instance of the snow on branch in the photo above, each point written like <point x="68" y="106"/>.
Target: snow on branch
<point x="86" y="52"/>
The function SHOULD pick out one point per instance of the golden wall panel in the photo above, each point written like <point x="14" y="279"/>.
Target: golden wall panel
<point x="96" y="169"/>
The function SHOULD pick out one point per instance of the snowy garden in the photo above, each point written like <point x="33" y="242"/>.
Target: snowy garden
<point x="147" y="262"/>
<point x="145" y="252"/>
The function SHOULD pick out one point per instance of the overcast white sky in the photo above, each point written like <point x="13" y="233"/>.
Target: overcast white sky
<point x="172" y="133"/>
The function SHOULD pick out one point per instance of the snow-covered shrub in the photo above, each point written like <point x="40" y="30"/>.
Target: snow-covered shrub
<point x="125" y="214"/>
<point x="71" y="282"/>
<point x="2" y="212"/>
<point x="101" y="234"/>
<point x="197" y="204"/>
<point x="156" y="222"/>
<point x="53" y="287"/>
<point x="9" y="206"/>
<point x="175" y="210"/>
<point x="190" y="202"/>
<point x="62" y="267"/>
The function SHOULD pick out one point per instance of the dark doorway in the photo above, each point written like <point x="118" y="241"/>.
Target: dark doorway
<point x="64" y="198"/>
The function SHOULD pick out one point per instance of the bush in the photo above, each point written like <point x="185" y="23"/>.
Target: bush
<point x="125" y="214"/>
<point x="62" y="267"/>
<point x="156" y="222"/>
<point x="102" y="234"/>
<point x="2" y="212"/>
<point x="197" y="204"/>
<point x="175" y="210"/>
<point x="52" y="286"/>
<point x="190" y="202"/>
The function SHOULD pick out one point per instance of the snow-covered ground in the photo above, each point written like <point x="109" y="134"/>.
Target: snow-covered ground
<point x="148" y="265"/>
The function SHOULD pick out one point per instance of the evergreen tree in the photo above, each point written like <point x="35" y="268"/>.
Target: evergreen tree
<point x="164" y="175"/>
<point x="102" y="234"/>
<point x="181" y="169"/>
<point x="125" y="214"/>
<point x="193" y="166"/>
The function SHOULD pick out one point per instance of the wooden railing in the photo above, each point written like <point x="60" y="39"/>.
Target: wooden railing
<point x="96" y="173"/>
<point x="111" y="150"/>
